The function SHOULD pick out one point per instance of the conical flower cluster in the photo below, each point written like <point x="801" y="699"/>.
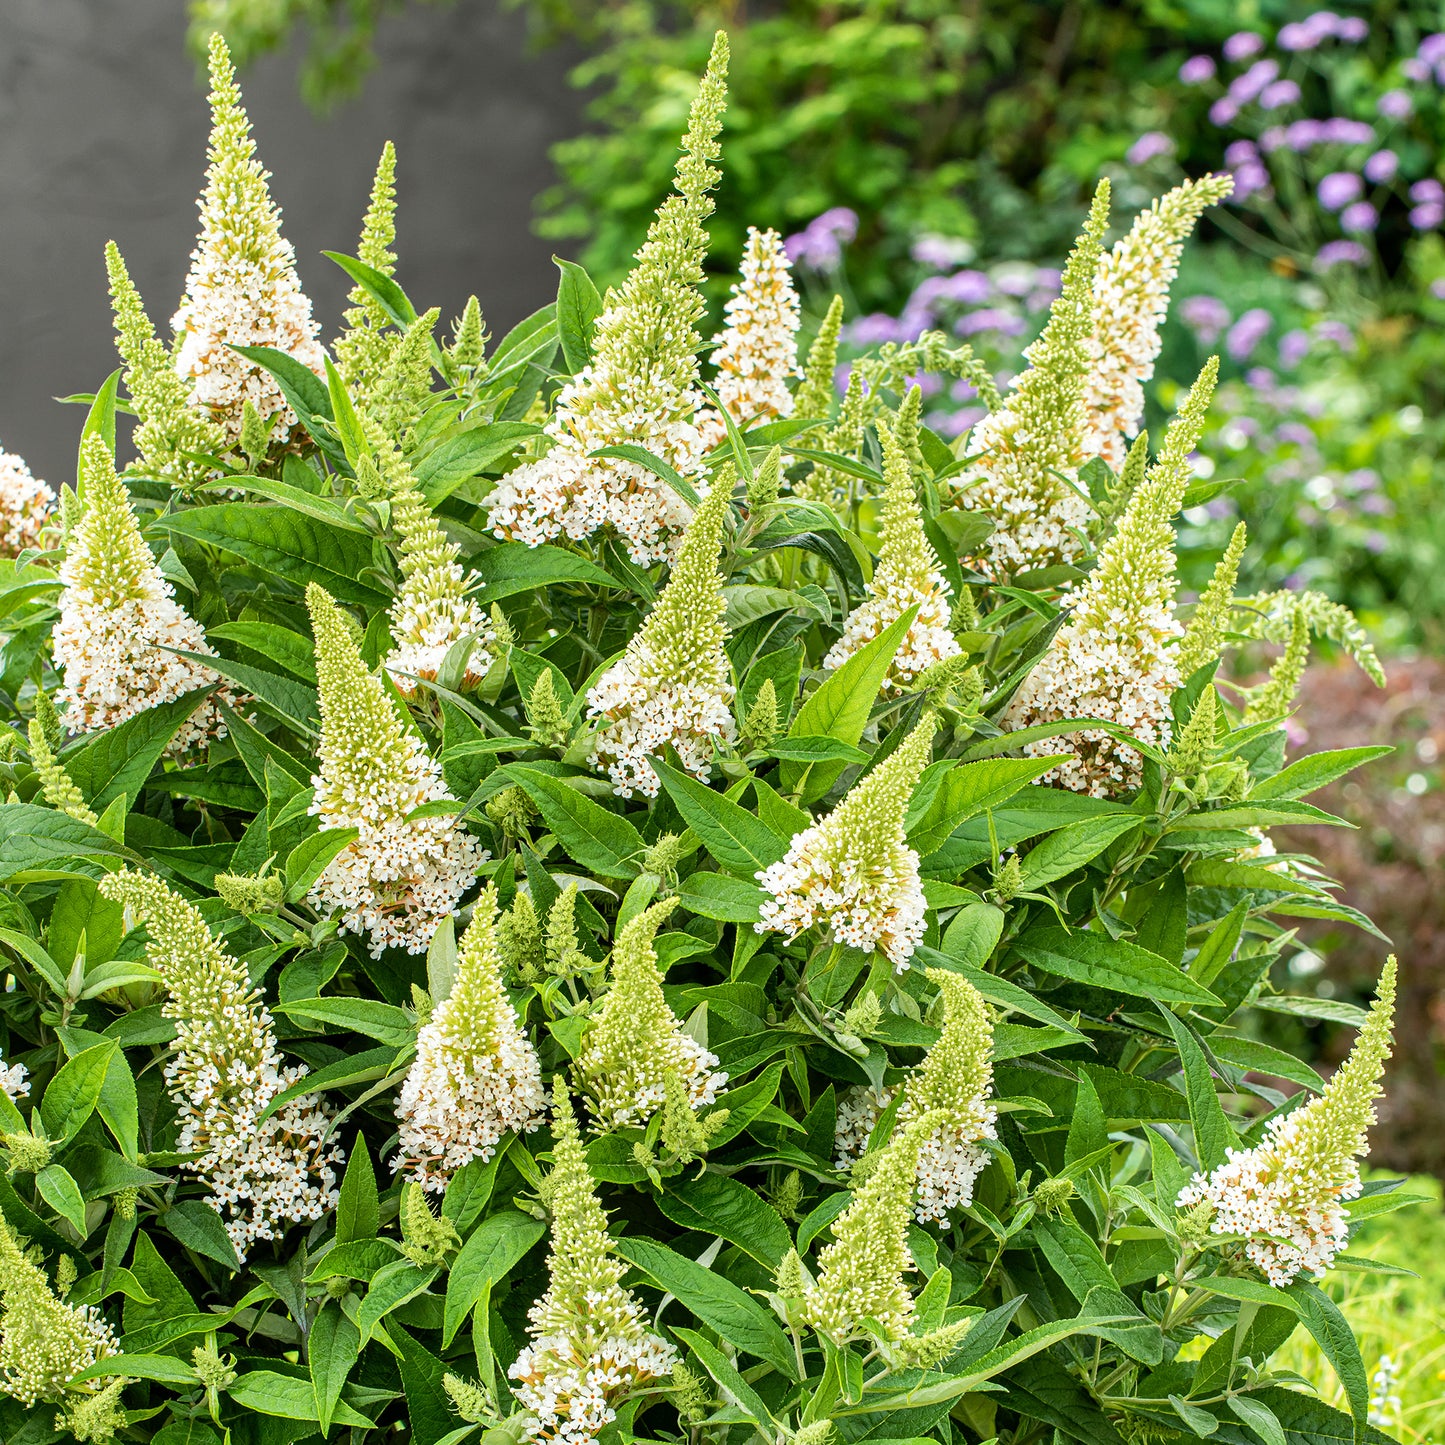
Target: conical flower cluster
<point x="854" y="872"/>
<point x="757" y="350"/>
<point x="365" y="348"/>
<point x="118" y="615"/>
<point x="907" y="576"/>
<point x="860" y="1274"/>
<point x="14" y="1080"/>
<point x="1286" y="1194"/>
<point x="242" y="289"/>
<point x="590" y="1341"/>
<point x="224" y="1070"/>
<point x="640" y="386"/>
<point x="1203" y="639"/>
<point x="170" y="434"/>
<point x="635" y="1039"/>
<point x="1038" y="433"/>
<point x="952" y="1087"/>
<point x="1131" y="299"/>
<point x="476" y="1073"/>
<point x="1116" y="657"/>
<point x="44" y="1342"/>
<point x="673" y="684"/>
<point x="25" y="505"/>
<point x="401" y="875"/>
<point x="432" y="610"/>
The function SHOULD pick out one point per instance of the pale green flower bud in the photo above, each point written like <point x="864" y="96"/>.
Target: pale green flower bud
<point x="1203" y="639"/>
<point x="55" y="783"/>
<point x="546" y="719"/>
<point x="426" y="1238"/>
<point x="251" y="892"/>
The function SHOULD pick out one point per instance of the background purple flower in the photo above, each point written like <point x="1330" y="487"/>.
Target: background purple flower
<point x="1352" y="29"/>
<point x="1415" y="69"/>
<point x="1242" y="44"/>
<point x="1429" y="190"/>
<point x="1293" y="348"/>
<point x="1197" y="69"/>
<point x="1395" y="104"/>
<point x="1359" y="218"/>
<point x="1300" y="135"/>
<point x="1224" y="110"/>
<point x="1338" y="189"/>
<point x="820" y="243"/>
<point x="1246" y="87"/>
<point x="1428" y="216"/>
<point x="1341" y="131"/>
<point x="1247" y="333"/>
<point x="1149" y="145"/>
<point x="1432" y="49"/>
<point x="1205" y="316"/>
<point x="1339" y="253"/>
<point x="1250" y="179"/>
<point x="1381" y="167"/>
<point x="941" y="252"/>
<point x="1278" y="94"/>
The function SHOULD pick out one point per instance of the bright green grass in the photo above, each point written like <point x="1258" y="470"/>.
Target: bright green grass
<point x="1400" y="1323"/>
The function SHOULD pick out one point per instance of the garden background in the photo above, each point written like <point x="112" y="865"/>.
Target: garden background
<point x="932" y="160"/>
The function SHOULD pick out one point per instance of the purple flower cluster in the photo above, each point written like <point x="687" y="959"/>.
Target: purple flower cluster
<point x="1428" y="61"/>
<point x="819" y="245"/>
<point x="1311" y="32"/>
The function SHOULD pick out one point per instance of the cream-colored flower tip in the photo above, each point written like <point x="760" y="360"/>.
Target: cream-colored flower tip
<point x="1287" y="1194"/>
<point x="401" y="875"/>
<point x="224" y="1069"/>
<point x="242" y="289"/>
<point x="673" y="685"/>
<point x="119" y="619"/>
<point x="756" y="352"/>
<point x="1117" y="656"/>
<point x="640" y="386"/>
<point x="476" y="1074"/>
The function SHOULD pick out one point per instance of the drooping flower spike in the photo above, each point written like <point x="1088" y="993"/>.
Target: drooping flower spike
<point x="907" y="576"/>
<point x="401" y="875"/>
<point x="636" y="1040"/>
<point x="44" y="1342"/>
<point x="242" y="289"/>
<point x="1286" y="1195"/>
<point x="25" y="505"/>
<point x="1131" y="299"/>
<point x="224" y="1070"/>
<point x="118" y="617"/>
<point x="1038" y="433"/>
<point x="854" y="873"/>
<point x="673" y="685"/>
<point x="756" y="352"/>
<point x="640" y="386"/>
<point x="1117" y="658"/>
<point x="476" y="1074"/>
<point x="590" y="1342"/>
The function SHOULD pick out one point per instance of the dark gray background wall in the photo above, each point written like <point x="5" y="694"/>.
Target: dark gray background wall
<point x="103" y="129"/>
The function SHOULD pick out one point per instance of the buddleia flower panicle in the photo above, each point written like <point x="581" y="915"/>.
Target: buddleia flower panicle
<point x="118" y="615"/>
<point x="363" y="350"/>
<point x="1116" y="658"/>
<point x="640" y="387"/>
<point x="224" y="1069"/>
<point x="635" y="1039"/>
<point x="859" y="1110"/>
<point x="673" y="685"/>
<point x="168" y="430"/>
<point x="756" y="353"/>
<point x="95" y="1416"/>
<point x="844" y="438"/>
<point x="1287" y="1193"/>
<point x="907" y="576"/>
<point x="952" y="1086"/>
<point x="590" y="1342"/>
<point x="815" y="394"/>
<point x="56" y="785"/>
<point x="861" y="1273"/>
<point x="432" y="611"/>
<point x="14" y="1081"/>
<point x="854" y="872"/>
<point x="26" y="504"/>
<point x="401" y="875"/>
<point x="1131" y="300"/>
<point x="1275" y="697"/>
<point x="1203" y="640"/>
<point x="242" y="289"/>
<point x="1038" y="432"/>
<point x="44" y="1342"/>
<point x="476" y="1074"/>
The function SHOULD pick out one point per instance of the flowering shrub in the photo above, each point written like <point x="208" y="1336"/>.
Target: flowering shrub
<point x="552" y="890"/>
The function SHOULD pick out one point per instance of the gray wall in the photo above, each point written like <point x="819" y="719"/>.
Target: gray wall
<point x="103" y="132"/>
